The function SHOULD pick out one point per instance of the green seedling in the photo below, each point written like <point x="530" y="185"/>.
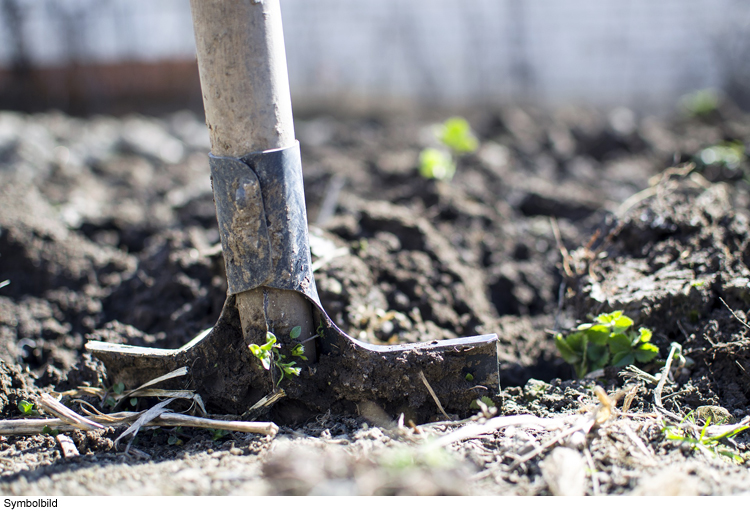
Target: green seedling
<point x="487" y="401"/>
<point x="269" y="354"/>
<point x="610" y="340"/>
<point x="437" y="164"/>
<point x="46" y="430"/>
<point x="457" y="135"/>
<point x="701" y="103"/>
<point x="218" y="434"/>
<point x="726" y="154"/>
<point x="456" y="138"/>
<point x="686" y="434"/>
<point x="27" y="409"/>
<point x="174" y="439"/>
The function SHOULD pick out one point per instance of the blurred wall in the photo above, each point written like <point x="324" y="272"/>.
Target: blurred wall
<point x="98" y="55"/>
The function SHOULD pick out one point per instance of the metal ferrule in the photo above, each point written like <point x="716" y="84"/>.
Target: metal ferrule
<point x="260" y="207"/>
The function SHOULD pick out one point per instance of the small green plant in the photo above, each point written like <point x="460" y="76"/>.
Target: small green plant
<point x="218" y="434"/>
<point x="269" y="353"/>
<point x="27" y="409"/>
<point x="610" y="340"/>
<point x="437" y="164"/>
<point x="487" y="401"/>
<point x="701" y="103"/>
<point x="687" y="434"/>
<point x="46" y="430"/>
<point x="725" y="154"/>
<point x="456" y="138"/>
<point x="174" y="439"/>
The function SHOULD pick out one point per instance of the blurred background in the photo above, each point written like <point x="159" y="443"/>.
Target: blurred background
<point x="116" y="56"/>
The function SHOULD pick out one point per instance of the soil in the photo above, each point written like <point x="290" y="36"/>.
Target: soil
<point x="108" y="232"/>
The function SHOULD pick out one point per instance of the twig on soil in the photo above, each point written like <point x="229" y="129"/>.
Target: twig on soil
<point x="53" y="406"/>
<point x="34" y="426"/>
<point x="475" y="430"/>
<point x="584" y="426"/>
<point x="639" y="443"/>
<point x="592" y="467"/>
<point x="69" y="449"/>
<point x="243" y="426"/>
<point x="566" y="258"/>
<point x="37" y="426"/>
<point x="664" y="375"/>
<point x="629" y="397"/>
<point x="144" y="418"/>
<point x="434" y="396"/>
<point x="734" y="314"/>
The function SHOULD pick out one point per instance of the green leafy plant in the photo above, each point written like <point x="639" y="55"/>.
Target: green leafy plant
<point x="726" y="154"/>
<point x="456" y="133"/>
<point x="218" y="434"/>
<point x="701" y="103"/>
<point x="437" y="164"/>
<point x="456" y="138"/>
<point x="269" y="353"/>
<point x="610" y="340"/>
<point x="687" y="433"/>
<point x="174" y="439"/>
<point x="27" y="409"/>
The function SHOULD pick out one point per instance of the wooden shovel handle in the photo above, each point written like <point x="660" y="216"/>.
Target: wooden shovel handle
<point x="243" y="73"/>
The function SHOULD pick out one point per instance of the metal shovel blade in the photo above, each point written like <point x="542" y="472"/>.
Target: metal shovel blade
<point x="348" y="372"/>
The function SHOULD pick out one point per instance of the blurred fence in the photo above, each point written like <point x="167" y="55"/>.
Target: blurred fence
<point x="99" y="55"/>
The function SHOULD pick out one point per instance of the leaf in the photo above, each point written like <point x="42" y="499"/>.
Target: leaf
<point x="457" y="135"/>
<point x="437" y="164"/>
<point x="566" y="352"/>
<point x="595" y="353"/>
<point x="262" y="353"/>
<point x="602" y="361"/>
<point x="622" y="359"/>
<point x="295" y="332"/>
<point x="622" y="323"/>
<point x="620" y="343"/>
<point x="598" y="334"/>
<point x="577" y="342"/>
<point x="608" y="318"/>
<point x="646" y="352"/>
<point x="118" y="388"/>
<point x="270" y="339"/>
<point x="645" y="335"/>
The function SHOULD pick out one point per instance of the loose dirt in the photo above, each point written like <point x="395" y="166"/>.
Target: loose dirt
<point x="108" y="231"/>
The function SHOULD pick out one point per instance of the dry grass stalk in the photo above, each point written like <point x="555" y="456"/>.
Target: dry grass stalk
<point x="33" y="426"/>
<point x="434" y="396"/>
<point x="144" y="418"/>
<point x="664" y="375"/>
<point x="69" y="449"/>
<point x="53" y="406"/>
<point x="177" y="419"/>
